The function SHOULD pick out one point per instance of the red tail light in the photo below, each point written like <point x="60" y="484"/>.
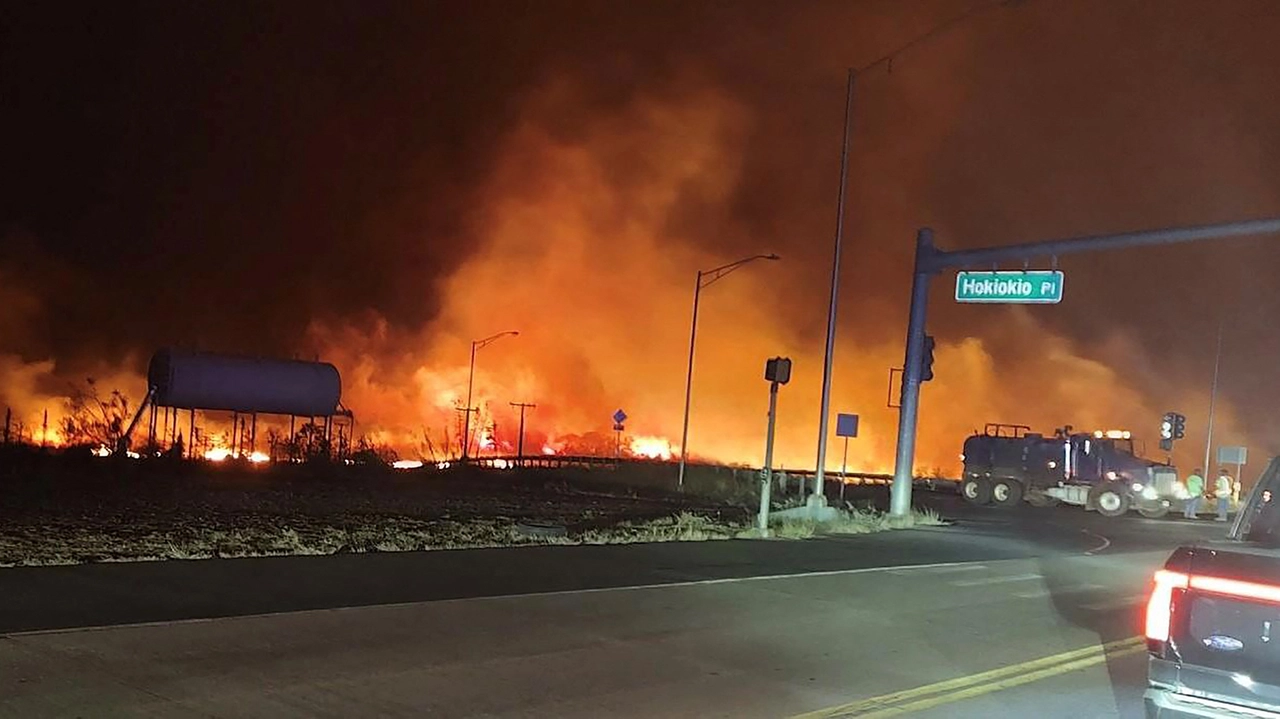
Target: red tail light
<point x="1160" y="606"/>
<point x="1237" y="588"/>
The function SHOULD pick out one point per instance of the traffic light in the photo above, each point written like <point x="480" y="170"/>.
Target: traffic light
<point x="1173" y="426"/>
<point x="926" y="364"/>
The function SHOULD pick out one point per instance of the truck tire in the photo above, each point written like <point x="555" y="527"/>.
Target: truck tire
<point x="1006" y="492"/>
<point x="1111" y="499"/>
<point x="976" y="490"/>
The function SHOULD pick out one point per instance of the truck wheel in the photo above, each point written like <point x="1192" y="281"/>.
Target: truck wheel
<point x="1153" y="511"/>
<point x="1006" y="492"/>
<point x="976" y="490"/>
<point x="1111" y="499"/>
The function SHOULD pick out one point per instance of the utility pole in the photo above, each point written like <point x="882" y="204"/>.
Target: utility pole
<point x="520" y="442"/>
<point x="930" y="261"/>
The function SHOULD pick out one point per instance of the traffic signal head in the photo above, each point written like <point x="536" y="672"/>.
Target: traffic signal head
<point x="926" y="363"/>
<point x="1166" y="427"/>
<point x="1179" y="426"/>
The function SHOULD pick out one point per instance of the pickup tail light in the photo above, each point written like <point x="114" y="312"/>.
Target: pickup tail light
<point x="1160" y="606"/>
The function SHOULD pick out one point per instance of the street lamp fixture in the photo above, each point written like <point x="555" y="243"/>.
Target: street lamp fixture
<point x="705" y="279"/>
<point x="471" y="376"/>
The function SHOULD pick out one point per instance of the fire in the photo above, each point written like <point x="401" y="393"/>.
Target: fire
<point x="217" y="454"/>
<point x="651" y="447"/>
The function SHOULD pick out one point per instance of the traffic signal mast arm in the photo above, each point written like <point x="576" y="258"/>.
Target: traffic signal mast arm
<point x="930" y="260"/>
<point x="933" y="260"/>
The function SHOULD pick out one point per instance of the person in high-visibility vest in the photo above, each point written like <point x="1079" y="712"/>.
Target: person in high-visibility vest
<point x="1222" y="490"/>
<point x="1195" y="492"/>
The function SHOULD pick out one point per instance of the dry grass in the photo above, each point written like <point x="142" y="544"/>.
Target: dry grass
<point x="855" y="521"/>
<point x="272" y="535"/>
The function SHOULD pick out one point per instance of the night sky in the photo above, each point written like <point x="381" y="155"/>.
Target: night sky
<point x="232" y="176"/>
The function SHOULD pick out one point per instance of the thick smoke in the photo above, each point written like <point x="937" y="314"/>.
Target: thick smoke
<point x="384" y="205"/>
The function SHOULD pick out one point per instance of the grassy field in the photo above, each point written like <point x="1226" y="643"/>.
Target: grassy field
<point x="57" y="510"/>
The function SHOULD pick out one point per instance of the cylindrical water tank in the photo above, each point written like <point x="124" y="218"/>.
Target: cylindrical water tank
<point x="201" y="380"/>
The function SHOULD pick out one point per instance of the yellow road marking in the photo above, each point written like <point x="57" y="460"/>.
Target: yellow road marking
<point x="926" y="696"/>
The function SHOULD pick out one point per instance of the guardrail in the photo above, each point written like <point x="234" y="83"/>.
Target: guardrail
<point x="566" y="461"/>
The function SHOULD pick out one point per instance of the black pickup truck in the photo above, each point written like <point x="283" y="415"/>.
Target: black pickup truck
<point x="1213" y="619"/>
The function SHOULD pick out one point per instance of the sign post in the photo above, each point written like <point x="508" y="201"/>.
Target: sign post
<point x="1037" y="287"/>
<point x="619" y="418"/>
<point x="846" y="426"/>
<point x="778" y="372"/>
<point x="1239" y="456"/>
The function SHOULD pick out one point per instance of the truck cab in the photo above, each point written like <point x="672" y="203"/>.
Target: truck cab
<point x="1213" y="619"/>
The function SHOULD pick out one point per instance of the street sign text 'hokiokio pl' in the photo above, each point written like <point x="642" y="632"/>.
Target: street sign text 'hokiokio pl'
<point x="1010" y="287"/>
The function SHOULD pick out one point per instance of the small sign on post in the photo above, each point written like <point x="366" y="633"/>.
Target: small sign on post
<point x="846" y="426"/>
<point x="1238" y="456"/>
<point x="618" y="418"/>
<point x="1010" y="287"/>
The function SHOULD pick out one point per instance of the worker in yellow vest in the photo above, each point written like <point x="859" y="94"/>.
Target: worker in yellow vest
<point x="1222" y="490"/>
<point x="1195" y="493"/>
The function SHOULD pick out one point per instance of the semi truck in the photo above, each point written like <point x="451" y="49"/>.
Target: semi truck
<point x="1007" y="464"/>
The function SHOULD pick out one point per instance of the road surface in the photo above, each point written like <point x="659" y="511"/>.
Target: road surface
<point x="944" y="622"/>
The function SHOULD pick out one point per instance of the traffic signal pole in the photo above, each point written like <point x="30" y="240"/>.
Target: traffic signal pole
<point x="900" y="498"/>
<point x="930" y="260"/>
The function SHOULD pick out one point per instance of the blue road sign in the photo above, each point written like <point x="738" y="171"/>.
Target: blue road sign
<point x="846" y="425"/>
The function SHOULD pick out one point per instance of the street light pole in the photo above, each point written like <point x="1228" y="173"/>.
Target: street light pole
<point x="1213" y="399"/>
<point x="828" y="358"/>
<point x="688" y="382"/>
<point x="471" y="376"/>
<point x="704" y="279"/>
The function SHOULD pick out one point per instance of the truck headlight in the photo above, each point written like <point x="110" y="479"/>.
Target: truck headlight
<point x="1137" y="486"/>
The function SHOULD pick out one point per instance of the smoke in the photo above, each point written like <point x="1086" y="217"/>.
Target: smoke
<point x="580" y="243"/>
<point x="386" y="206"/>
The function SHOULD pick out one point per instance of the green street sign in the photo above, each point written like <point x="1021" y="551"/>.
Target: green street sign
<point x="1010" y="287"/>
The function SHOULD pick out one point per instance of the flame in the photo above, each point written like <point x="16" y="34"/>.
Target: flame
<point x="651" y="447"/>
<point x="218" y="454"/>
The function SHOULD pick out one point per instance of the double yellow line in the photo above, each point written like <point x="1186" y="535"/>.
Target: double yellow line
<point x="952" y="690"/>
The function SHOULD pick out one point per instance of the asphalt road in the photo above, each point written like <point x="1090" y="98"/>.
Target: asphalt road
<point x="935" y="622"/>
